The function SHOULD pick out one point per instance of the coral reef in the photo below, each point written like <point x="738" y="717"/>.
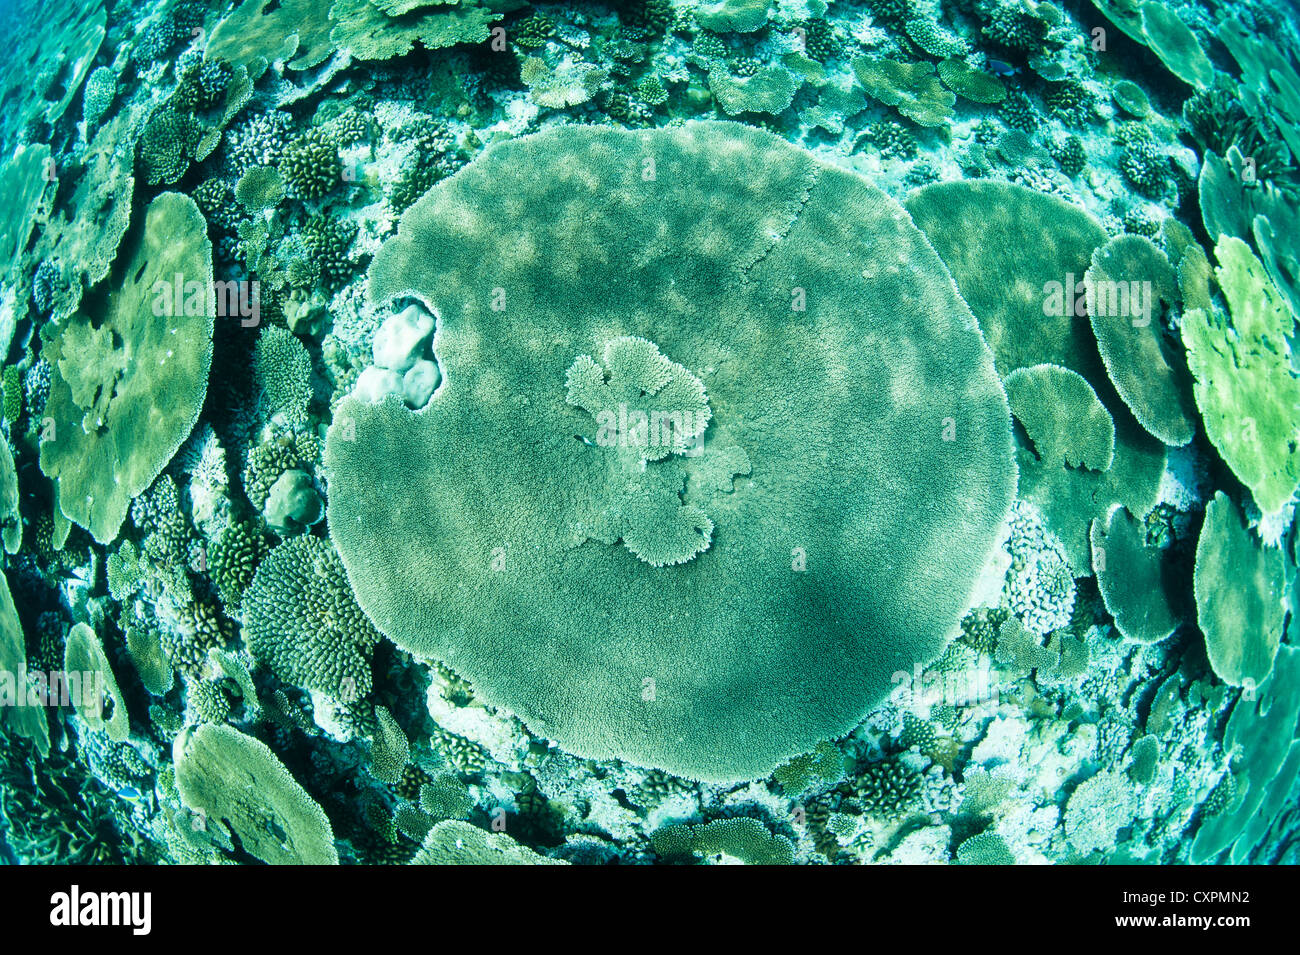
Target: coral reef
<point x="650" y="432"/>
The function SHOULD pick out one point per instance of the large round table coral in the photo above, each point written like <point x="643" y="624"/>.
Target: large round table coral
<point x="718" y="455"/>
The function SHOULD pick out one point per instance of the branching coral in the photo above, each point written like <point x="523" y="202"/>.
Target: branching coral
<point x="1097" y="809"/>
<point x="232" y="560"/>
<point x="1145" y="166"/>
<point x="272" y="458"/>
<point x="301" y="620"/>
<point x="258" y="141"/>
<point x="1040" y="584"/>
<point x="167" y="144"/>
<point x="101" y="88"/>
<point x="284" y="375"/>
<point x="309" y="166"/>
<point x="887" y="789"/>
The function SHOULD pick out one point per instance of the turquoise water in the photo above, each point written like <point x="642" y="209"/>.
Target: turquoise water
<point x="652" y="432"/>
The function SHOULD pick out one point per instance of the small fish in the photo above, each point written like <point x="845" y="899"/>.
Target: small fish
<point x="999" y="68"/>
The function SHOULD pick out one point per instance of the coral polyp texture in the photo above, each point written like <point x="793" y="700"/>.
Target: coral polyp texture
<point x="677" y="432"/>
<point x="815" y="502"/>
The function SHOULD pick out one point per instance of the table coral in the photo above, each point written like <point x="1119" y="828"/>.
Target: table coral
<point x="728" y="291"/>
<point x="111" y="435"/>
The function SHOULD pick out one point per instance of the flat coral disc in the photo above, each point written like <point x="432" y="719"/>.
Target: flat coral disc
<point x="835" y="353"/>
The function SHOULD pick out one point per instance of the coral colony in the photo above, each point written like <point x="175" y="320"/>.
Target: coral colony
<point x="650" y="432"/>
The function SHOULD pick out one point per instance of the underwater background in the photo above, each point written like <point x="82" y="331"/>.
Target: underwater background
<point x="649" y="432"/>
